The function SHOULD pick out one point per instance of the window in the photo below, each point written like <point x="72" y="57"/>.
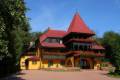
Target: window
<point x="61" y="42"/>
<point x="47" y="40"/>
<point x="50" y="63"/>
<point x="62" y="63"/>
<point x="34" y="62"/>
<point x="23" y="57"/>
<point x="23" y="66"/>
<point x="80" y="47"/>
<point x="23" y="62"/>
<point x="53" y="40"/>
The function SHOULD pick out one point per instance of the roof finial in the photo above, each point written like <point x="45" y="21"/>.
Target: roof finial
<point x="48" y="28"/>
<point x="77" y="12"/>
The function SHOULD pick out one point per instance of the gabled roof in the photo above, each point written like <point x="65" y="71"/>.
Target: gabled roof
<point x="77" y="25"/>
<point x="52" y="33"/>
<point x="34" y="58"/>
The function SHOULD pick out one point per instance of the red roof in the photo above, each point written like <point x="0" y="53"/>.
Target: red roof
<point x="78" y="25"/>
<point x="34" y="58"/>
<point x="52" y="33"/>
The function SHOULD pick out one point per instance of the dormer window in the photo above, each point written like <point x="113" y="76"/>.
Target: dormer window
<point x="53" y="40"/>
<point x="48" y="40"/>
<point x="61" y="42"/>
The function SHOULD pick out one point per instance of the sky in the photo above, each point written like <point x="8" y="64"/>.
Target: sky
<point x="99" y="15"/>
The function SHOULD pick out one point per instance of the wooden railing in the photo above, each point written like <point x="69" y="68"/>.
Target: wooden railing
<point x="81" y="40"/>
<point x="77" y="53"/>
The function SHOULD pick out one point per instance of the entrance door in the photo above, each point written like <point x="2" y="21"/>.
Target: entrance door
<point x="26" y="64"/>
<point x="84" y="64"/>
<point x="68" y="63"/>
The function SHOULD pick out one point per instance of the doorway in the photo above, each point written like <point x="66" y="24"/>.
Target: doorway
<point x="26" y="64"/>
<point x="84" y="64"/>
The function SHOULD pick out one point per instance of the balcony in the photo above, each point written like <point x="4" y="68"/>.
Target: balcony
<point x="54" y="57"/>
<point x="88" y="40"/>
<point x="86" y="53"/>
<point x="54" y="53"/>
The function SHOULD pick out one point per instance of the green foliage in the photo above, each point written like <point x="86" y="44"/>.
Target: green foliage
<point x="35" y="35"/>
<point x="114" y="74"/>
<point x="111" y="41"/>
<point x="14" y="34"/>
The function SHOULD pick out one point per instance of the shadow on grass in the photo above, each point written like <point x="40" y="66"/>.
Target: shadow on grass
<point x="111" y="74"/>
<point x="114" y="74"/>
<point x="15" y="76"/>
<point x="20" y="73"/>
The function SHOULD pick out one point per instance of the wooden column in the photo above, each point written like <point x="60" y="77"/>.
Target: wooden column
<point x="38" y="53"/>
<point x="72" y="60"/>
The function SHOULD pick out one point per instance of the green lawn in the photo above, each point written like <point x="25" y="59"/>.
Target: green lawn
<point x="113" y="74"/>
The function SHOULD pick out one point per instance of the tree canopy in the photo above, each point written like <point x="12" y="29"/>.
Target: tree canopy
<point x="111" y="42"/>
<point x="14" y="34"/>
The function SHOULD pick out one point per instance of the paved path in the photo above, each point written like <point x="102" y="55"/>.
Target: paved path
<point x="44" y="75"/>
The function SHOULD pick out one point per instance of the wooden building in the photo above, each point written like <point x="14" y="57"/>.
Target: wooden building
<point x="61" y="49"/>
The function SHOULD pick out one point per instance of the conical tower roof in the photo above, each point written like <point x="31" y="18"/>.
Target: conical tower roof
<point x="78" y="26"/>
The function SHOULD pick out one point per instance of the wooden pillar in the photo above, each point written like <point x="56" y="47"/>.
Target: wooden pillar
<point x="72" y="60"/>
<point x="38" y="53"/>
<point x="83" y="47"/>
<point x="78" y="46"/>
<point x="97" y="65"/>
<point x="77" y="62"/>
<point x="73" y="46"/>
<point x="91" y="63"/>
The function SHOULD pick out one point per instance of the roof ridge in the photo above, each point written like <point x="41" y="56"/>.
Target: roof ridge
<point x="57" y="30"/>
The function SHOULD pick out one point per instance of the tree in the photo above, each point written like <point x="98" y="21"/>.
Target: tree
<point x="14" y="33"/>
<point x="35" y="35"/>
<point x="111" y="41"/>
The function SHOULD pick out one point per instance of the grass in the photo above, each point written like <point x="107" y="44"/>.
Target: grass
<point x="113" y="74"/>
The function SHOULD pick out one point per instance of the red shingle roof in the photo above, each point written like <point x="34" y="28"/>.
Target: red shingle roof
<point x="52" y="33"/>
<point x="78" y="25"/>
<point x="34" y="58"/>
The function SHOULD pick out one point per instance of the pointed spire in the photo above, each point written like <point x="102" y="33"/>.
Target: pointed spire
<point x="78" y="25"/>
<point x="49" y="28"/>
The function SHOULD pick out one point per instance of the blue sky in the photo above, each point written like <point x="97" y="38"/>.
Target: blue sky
<point x="99" y="15"/>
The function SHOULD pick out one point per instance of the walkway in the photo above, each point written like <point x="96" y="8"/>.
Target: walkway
<point x="44" y="75"/>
